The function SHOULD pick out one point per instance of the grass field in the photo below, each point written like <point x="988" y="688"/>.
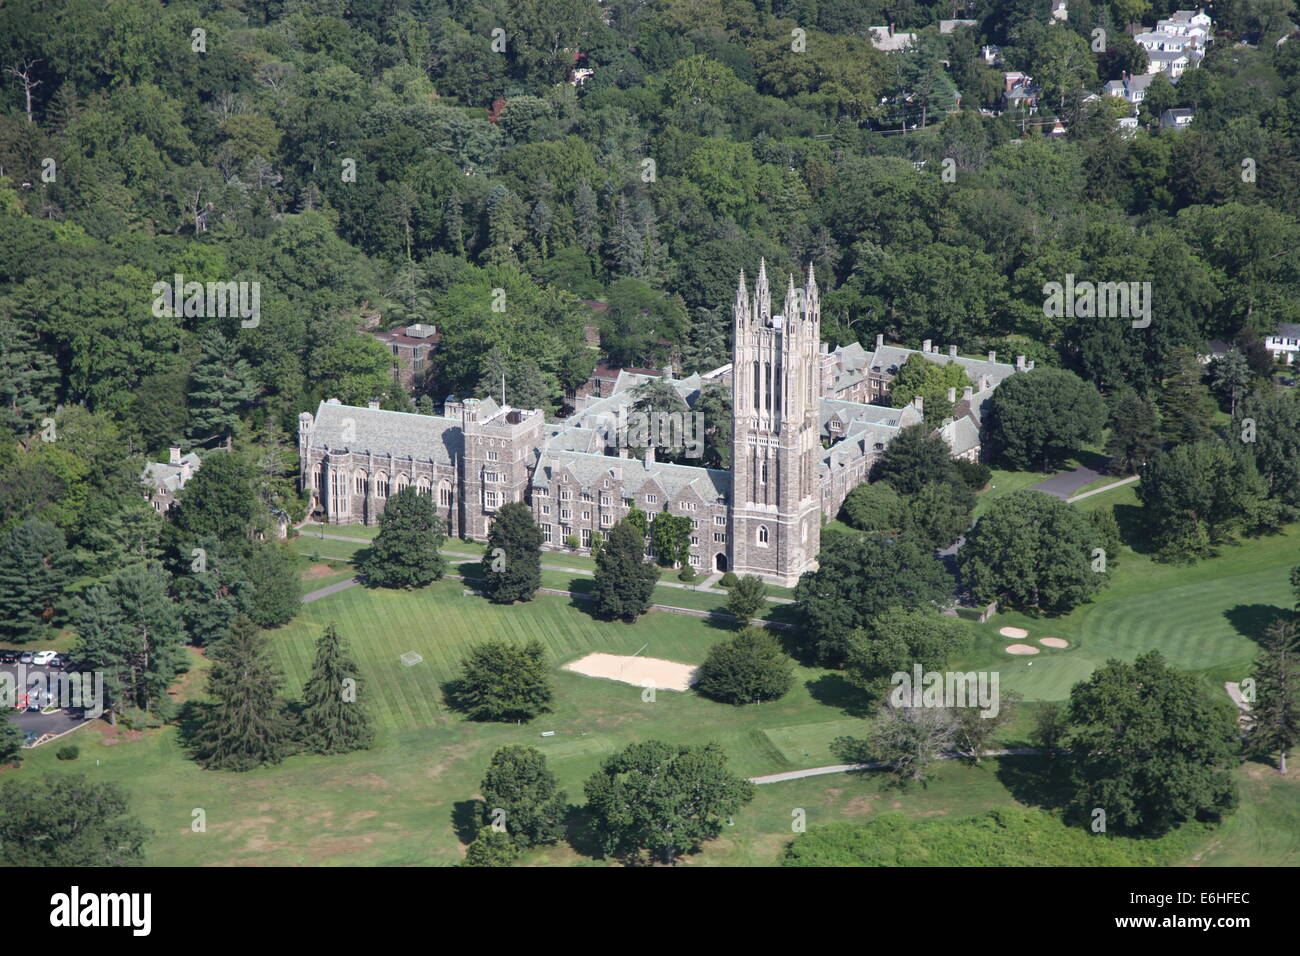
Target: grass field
<point x="402" y="801"/>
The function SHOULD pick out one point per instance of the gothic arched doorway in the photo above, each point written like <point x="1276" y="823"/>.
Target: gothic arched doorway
<point x="720" y="561"/>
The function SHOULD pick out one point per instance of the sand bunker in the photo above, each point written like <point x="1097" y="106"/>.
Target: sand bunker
<point x="1022" y="649"/>
<point x="641" y="671"/>
<point x="1053" y="642"/>
<point x="1014" y="632"/>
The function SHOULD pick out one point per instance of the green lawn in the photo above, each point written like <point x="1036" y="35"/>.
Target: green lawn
<point x="399" y="803"/>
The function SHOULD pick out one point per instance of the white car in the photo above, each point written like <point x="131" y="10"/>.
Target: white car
<point x="42" y="658"/>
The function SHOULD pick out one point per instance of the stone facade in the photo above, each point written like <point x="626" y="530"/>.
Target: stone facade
<point x="803" y="435"/>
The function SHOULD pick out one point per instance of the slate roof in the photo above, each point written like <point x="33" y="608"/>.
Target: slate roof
<point x="708" y="483"/>
<point x="404" y="434"/>
<point x="162" y="474"/>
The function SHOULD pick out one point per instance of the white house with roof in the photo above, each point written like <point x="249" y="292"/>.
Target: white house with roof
<point x="1131" y="87"/>
<point x="1177" y="118"/>
<point x="1285" y="343"/>
<point x="886" y="40"/>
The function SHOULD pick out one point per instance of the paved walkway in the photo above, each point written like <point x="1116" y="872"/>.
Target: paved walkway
<point x="1096" y="491"/>
<point x="1068" y="482"/>
<point x="847" y="767"/>
<point x="326" y="591"/>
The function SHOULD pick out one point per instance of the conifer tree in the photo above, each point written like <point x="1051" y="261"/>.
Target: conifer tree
<point x="624" y="581"/>
<point x="34" y="570"/>
<point x="334" y="718"/>
<point x="513" y="558"/>
<point x="1275" y="716"/>
<point x="221" y="385"/>
<point x="249" y="724"/>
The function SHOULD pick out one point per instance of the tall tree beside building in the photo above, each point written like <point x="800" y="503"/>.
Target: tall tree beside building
<point x="624" y="580"/>
<point x="248" y="724"/>
<point x="1039" y="417"/>
<point x="512" y="560"/>
<point x="407" y="551"/>
<point x="334" y="717"/>
<point x="1186" y="408"/>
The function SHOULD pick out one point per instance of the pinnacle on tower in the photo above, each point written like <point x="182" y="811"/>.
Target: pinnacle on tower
<point x="791" y="301"/>
<point x="762" y="313"/>
<point x="741" y="310"/>
<point x="811" y="299"/>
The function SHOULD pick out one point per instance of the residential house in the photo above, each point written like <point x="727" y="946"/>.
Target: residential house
<point x="887" y="41"/>
<point x="1285" y="343"/>
<point x="164" y="480"/>
<point x="1177" y="118"/>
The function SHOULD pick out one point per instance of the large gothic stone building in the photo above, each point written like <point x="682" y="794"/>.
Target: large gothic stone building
<point x="803" y="435"/>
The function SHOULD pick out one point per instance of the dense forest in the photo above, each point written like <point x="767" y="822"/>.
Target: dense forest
<point x="373" y="163"/>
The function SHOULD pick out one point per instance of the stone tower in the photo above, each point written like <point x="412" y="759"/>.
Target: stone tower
<point x="775" y="508"/>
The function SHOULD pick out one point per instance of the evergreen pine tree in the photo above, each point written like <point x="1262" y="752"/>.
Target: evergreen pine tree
<point x="27" y="380"/>
<point x="1275" y="715"/>
<point x="212" y="592"/>
<point x="1134" y="433"/>
<point x="221" y="385"/>
<point x="513" y="558"/>
<point x="248" y="725"/>
<point x="334" y="718"/>
<point x="34" y="571"/>
<point x="624" y="581"/>
<point x="586" y="218"/>
<point x="1186" y="407"/>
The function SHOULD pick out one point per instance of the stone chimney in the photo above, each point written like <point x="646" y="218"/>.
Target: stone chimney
<point x="880" y="342"/>
<point x="174" y="455"/>
<point x="952" y="395"/>
<point x="968" y="393"/>
<point x="373" y="403"/>
<point x="993" y="356"/>
<point x="1020" y="363"/>
<point x="919" y="404"/>
<point x="952" y="351"/>
<point x="650" y="456"/>
<point x="667" y="373"/>
<point x="984" y="383"/>
<point x="1030" y="366"/>
<point x="925" y="346"/>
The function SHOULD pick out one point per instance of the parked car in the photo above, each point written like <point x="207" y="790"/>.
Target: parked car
<point x="42" y="658"/>
<point x="8" y="657"/>
<point x="59" y="661"/>
<point x="26" y="657"/>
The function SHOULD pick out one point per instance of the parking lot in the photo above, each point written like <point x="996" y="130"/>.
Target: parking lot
<point x="37" y="726"/>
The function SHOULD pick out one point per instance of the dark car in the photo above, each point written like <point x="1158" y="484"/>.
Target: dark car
<point x="8" y="657"/>
<point x="59" y="661"/>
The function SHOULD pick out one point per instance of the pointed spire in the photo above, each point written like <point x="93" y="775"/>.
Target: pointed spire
<point x="811" y="298"/>
<point x="791" y="308"/>
<point x="762" y="298"/>
<point x="740" y="312"/>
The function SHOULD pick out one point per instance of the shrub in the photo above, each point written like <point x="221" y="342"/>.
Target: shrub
<point x="71" y="752"/>
<point x="729" y="580"/>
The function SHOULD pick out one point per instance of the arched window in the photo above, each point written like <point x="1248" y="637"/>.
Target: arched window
<point x="403" y="481"/>
<point x="762" y="534"/>
<point x="381" y="485"/>
<point x="422" y="486"/>
<point x="360" y="481"/>
<point x="444" y="495"/>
